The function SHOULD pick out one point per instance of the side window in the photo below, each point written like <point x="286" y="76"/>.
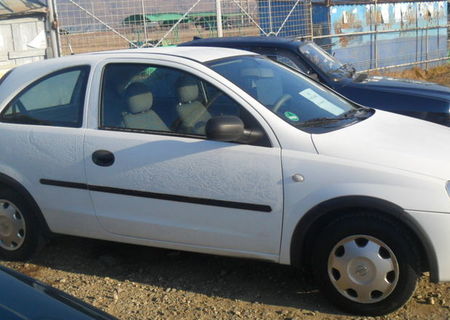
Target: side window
<point x="55" y="100"/>
<point x="140" y="97"/>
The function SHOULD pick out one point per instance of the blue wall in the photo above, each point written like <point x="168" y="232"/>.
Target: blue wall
<point x="389" y="48"/>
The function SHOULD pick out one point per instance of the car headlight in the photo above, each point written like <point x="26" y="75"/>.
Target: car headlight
<point x="447" y="187"/>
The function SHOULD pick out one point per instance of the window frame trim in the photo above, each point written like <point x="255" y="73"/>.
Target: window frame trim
<point x="84" y="88"/>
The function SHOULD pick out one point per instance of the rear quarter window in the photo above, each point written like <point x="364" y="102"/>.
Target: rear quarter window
<point x="54" y="100"/>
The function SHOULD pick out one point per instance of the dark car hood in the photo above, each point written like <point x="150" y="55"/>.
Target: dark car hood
<point x="22" y="297"/>
<point x="422" y="100"/>
<point x="414" y="87"/>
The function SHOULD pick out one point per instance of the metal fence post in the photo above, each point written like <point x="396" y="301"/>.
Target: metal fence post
<point x="426" y="49"/>
<point x="375" y="47"/>
<point x="270" y="17"/>
<point x="310" y="20"/>
<point x="219" y="18"/>
<point x="53" y="29"/>
<point x="144" y="19"/>
<point x="417" y="35"/>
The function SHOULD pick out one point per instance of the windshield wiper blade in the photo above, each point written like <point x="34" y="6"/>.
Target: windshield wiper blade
<point x="318" y="121"/>
<point x="325" y="120"/>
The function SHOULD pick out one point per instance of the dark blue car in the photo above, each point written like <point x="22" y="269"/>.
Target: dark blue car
<point x="423" y="100"/>
<point x="24" y="298"/>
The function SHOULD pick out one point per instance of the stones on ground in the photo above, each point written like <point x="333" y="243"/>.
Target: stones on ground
<point x="129" y="294"/>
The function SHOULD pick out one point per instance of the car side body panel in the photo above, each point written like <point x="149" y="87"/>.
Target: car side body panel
<point x="326" y="178"/>
<point x="436" y="225"/>
<point x="62" y="158"/>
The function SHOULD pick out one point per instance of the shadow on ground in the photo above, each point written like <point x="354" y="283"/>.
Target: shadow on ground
<point x="230" y="278"/>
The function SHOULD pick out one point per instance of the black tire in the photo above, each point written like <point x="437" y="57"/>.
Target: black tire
<point x="352" y="232"/>
<point x="32" y="233"/>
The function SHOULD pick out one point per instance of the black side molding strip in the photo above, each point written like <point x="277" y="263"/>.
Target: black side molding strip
<point x="160" y="196"/>
<point x="73" y="185"/>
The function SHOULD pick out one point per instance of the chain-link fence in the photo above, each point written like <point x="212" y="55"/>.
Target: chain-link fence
<point x="371" y="34"/>
<point x="92" y="25"/>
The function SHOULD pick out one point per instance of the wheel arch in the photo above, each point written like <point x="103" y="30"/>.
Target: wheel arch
<point x="8" y="182"/>
<point x="320" y="215"/>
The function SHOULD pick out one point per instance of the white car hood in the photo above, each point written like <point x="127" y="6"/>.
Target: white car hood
<point x="393" y="141"/>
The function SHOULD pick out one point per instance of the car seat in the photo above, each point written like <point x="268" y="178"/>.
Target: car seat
<point x="192" y="113"/>
<point x="139" y="100"/>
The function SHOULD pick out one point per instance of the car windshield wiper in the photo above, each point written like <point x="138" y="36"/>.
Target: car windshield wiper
<point x="351" y="114"/>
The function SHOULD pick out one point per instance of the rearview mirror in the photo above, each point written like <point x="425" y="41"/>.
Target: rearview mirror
<point x="224" y="128"/>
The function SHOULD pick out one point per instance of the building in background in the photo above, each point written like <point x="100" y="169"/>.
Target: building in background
<point x="23" y="37"/>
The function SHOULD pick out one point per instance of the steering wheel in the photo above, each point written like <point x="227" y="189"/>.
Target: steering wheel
<point x="213" y="99"/>
<point x="281" y="101"/>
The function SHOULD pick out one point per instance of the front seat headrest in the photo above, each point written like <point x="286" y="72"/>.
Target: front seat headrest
<point x="139" y="97"/>
<point x="188" y="90"/>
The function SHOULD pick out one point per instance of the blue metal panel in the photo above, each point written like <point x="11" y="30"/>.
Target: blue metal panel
<point x="384" y="49"/>
<point x="321" y="15"/>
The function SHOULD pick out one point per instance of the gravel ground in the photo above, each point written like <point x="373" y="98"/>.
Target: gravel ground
<point x="132" y="282"/>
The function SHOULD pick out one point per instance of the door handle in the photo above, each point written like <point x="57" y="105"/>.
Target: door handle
<point x="103" y="158"/>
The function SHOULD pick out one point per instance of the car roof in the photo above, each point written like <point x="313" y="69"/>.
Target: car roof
<point x="254" y="41"/>
<point x="198" y="54"/>
<point x="193" y="53"/>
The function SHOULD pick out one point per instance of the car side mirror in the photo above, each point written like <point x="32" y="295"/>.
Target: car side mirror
<point x="224" y="128"/>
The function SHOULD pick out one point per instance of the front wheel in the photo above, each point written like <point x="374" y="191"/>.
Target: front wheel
<point x="366" y="265"/>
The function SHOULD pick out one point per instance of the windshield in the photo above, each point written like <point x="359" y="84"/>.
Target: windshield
<point x="324" y="61"/>
<point x="292" y="96"/>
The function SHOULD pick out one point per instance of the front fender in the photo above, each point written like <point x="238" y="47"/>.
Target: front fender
<point x="323" y="212"/>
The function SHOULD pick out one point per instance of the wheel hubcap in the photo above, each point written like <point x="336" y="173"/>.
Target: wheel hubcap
<point x="12" y="226"/>
<point x="363" y="269"/>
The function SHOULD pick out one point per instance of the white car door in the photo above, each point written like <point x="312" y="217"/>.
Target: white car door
<point x="153" y="174"/>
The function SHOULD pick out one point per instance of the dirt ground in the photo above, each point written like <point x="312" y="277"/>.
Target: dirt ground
<point x="132" y="282"/>
<point x="439" y="74"/>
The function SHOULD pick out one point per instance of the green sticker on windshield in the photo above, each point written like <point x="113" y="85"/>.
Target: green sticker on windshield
<point x="291" y="116"/>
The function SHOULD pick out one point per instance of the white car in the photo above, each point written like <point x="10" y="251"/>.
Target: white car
<point x="222" y="151"/>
